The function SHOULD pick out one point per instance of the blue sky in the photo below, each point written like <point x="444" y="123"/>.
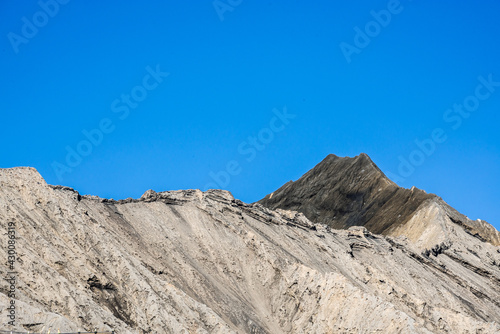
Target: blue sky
<point x="116" y="98"/>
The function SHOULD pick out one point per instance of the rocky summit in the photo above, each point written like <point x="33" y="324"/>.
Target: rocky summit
<point x="345" y="192"/>
<point x="341" y="250"/>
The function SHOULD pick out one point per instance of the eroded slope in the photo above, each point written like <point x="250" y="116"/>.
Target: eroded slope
<point x="205" y="262"/>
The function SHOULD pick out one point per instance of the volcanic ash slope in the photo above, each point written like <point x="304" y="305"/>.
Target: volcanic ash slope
<point x="194" y="262"/>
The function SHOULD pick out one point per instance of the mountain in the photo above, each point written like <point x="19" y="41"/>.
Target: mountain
<point x="344" y="192"/>
<point x="204" y="262"/>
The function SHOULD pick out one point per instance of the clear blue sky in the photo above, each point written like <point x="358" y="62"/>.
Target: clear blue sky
<point x="173" y="93"/>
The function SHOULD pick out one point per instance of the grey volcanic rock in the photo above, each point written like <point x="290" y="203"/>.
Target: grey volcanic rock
<point x="344" y="192"/>
<point x="204" y="262"/>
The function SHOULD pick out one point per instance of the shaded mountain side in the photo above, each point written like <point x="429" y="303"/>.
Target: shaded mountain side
<point x="204" y="262"/>
<point x="344" y="192"/>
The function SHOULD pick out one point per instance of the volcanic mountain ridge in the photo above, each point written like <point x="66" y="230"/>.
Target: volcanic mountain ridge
<point x="345" y="192"/>
<point x="204" y="262"/>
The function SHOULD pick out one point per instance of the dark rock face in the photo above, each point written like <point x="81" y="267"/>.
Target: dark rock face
<point x="344" y="192"/>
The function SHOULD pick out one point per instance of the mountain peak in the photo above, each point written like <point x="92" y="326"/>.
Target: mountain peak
<point x="359" y="164"/>
<point x="336" y="192"/>
<point x="342" y="192"/>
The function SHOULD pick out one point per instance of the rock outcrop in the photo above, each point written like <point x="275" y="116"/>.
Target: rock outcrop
<point x="204" y="262"/>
